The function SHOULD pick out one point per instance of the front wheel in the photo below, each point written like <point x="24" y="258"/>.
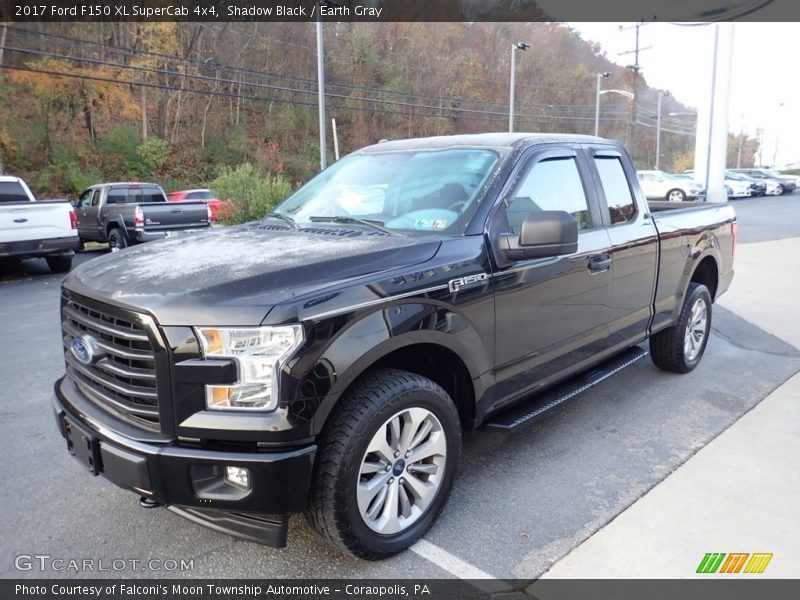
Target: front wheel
<point x="780" y="190"/>
<point x="676" y="195"/>
<point x="679" y="348"/>
<point x="59" y="264"/>
<point x="386" y="463"/>
<point x="116" y="240"/>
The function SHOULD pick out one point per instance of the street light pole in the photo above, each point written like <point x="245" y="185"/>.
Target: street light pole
<point x="514" y="48"/>
<point x="658" y="127"/>
<point x="597" y="103"/>
<point x="323" y="159"/>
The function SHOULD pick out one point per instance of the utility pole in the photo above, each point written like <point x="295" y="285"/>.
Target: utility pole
<point x="658" y="127"/>
<point x="323" y="159"/>
<point x="739" y="153"/>
<point x="600" y="76"/>
<point x="635" y="67"/>
<point x="512" y="91"/>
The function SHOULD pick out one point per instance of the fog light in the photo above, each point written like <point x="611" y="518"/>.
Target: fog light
<point x="238" y="476"/>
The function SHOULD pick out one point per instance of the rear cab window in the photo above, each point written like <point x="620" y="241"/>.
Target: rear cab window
<point x="616" y="189"/>
<point x="13" y="191"/>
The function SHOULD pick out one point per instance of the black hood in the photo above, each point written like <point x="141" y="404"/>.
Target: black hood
<point x="234" y="276"/>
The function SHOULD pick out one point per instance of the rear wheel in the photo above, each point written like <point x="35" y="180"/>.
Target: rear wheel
<point x="385" y="465"/>
<point x="679" y="348"/>
<point x="59" y="264"/>
<point x="676" y="195"/>
<point x="116" y="240"/>
<point x="780" y="190"/>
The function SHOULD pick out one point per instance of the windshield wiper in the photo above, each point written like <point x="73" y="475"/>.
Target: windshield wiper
<point x="285" y="218"/>
<point x="342" y="219"/>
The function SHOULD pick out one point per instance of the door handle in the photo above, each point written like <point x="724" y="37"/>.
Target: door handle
<point x="600" y="263"/>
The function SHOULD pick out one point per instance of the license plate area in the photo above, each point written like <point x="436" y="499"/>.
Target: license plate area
<point x="83" y="446"/>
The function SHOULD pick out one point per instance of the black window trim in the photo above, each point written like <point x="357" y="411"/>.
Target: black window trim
<point x="630" y="175"/>
<point x="539" y="153"/>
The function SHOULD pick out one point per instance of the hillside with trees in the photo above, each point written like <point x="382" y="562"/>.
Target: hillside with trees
<point x="179" y="103"/>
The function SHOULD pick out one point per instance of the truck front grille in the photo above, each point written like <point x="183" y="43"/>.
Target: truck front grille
<point x="120" y="375"/>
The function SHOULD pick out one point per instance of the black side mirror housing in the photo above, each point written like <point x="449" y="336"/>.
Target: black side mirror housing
<point x="544" y="233"/>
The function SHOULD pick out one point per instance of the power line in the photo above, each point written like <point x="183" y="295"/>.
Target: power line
<point x="530" y="118"/>
<point x="217" y="80"/>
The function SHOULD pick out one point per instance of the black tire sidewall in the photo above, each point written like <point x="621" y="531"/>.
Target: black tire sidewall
<point x="695" y="292"/>
<point x="387" y="545"/>
<point x="116" y="234"/>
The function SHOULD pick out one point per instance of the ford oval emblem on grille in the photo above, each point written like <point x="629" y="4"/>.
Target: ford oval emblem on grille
<point x="82" y="350"/>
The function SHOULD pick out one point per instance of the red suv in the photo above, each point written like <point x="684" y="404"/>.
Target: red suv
<point x="216" y="205"/>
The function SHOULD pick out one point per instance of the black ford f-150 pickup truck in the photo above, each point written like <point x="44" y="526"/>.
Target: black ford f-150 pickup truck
<point x="327" y="358"/>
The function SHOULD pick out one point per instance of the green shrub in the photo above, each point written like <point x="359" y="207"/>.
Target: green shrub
<point x="154" y="154"/>
<point x="253" y="194"/>
<point x="119" y="153"/>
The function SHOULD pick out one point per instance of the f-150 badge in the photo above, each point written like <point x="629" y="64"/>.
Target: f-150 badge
<point x="462" y="282"/>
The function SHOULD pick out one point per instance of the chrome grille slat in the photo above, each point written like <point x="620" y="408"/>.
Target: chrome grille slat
<point x="99" y="325"/>
<point x="116" y="385"/>
<point x="121" y="376"/>
<point x="110" y="348"/>
<point x="90" y="390"/>
<point x="123" y="371"/>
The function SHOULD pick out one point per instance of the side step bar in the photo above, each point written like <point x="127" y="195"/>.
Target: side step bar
<point x="547" y="400"/>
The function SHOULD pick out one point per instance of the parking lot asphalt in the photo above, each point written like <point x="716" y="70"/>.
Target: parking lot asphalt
<point x="522" y="500"/>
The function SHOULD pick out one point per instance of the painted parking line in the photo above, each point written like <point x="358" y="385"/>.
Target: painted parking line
<point x="459" y="568"/>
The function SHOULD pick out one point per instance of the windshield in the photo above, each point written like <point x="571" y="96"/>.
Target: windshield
<point x="412" y="192"/>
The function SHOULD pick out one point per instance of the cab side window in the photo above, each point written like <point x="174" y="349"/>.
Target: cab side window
<point x="96" y="198"/>
<point x="85" y="199"/>
<point x="551" y="184"/>
<point x="618" y="194"/>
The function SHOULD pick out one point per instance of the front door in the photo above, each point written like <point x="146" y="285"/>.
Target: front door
<point x="552" y="313"/>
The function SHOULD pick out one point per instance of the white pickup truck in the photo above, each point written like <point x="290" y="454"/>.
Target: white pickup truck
<point x="29" y="228"/>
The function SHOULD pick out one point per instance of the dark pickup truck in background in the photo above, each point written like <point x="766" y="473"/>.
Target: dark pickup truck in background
<point x="124" y="214"/>
<point x="327" y="358"/>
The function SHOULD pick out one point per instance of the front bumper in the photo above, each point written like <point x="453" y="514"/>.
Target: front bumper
<point x="63" y="245"/>
<point x="190" y="479"/>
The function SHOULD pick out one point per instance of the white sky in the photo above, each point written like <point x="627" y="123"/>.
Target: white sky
<point x="766" y="73"/>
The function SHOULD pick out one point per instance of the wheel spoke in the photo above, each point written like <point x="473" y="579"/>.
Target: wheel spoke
<point x="427" y="468"/>
<point x="421" y="434"/>
<point x="422" y="490"/>
<point x="434" y="446"/>
<point x="405" y="501"/>
<point x="412" y="420"/>
<point x="394" y="433"/>
<point x="391" y="510"/>
<point x="379" y="504"/>
<point x="367" y="490"/>
<point x="372" y="467"/>
<point x="381" y="447"/>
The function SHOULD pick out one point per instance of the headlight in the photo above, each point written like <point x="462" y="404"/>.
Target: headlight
<point x="259" y="353"/>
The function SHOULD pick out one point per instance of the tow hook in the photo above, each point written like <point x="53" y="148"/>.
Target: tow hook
<point x="148" y="503"/>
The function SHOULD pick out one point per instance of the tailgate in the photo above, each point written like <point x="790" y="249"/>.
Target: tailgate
<point x="174" y="216"/>
<point x="23" y="221"/>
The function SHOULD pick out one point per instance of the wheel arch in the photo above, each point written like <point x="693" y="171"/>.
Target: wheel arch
<point x="457" y="361"/>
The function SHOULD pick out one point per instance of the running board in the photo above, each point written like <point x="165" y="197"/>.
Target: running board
<point x="547" y="400"/>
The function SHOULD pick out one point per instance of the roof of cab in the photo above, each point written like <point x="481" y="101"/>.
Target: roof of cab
<point x="487" y="140"/>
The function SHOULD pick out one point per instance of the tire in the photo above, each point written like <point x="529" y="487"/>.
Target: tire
<point x="675" y="195"/>
<point x="345" y="465"/>
<point x="116" y="240"/>
<point x="672" y="349"/>
<point x="780" y="190"/>
<point x="59" y="264"/>
<point x="81" y="246"/>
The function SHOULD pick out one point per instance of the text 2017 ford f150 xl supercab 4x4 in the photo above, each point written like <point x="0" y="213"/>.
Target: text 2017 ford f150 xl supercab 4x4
<point x="327" y="358"/>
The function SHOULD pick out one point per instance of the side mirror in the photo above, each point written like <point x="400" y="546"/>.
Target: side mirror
<point x="544" y="233"/>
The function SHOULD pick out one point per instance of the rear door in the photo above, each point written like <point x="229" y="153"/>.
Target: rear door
<point x="551" y="313"/>
<point x="634" y="245"/>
